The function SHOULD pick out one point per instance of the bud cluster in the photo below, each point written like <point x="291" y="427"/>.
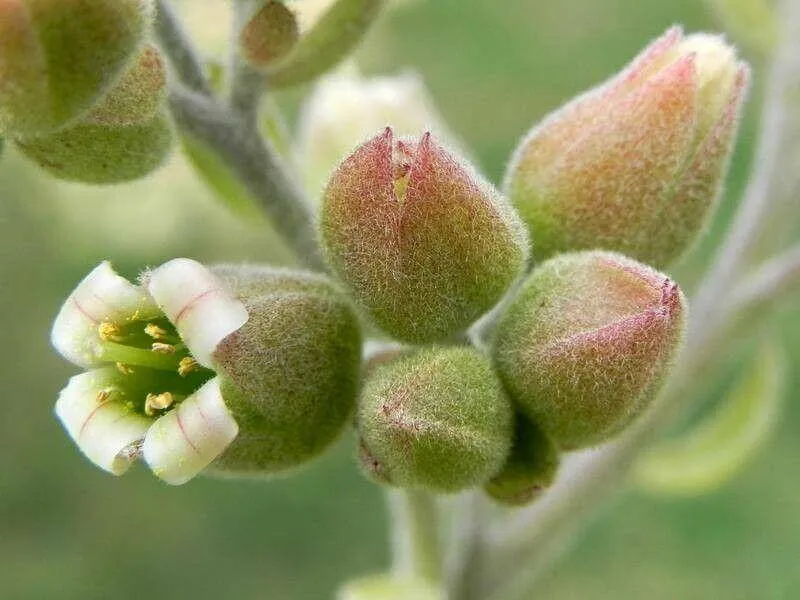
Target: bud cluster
<point x="81" y="92"/>
<point x="421" y="247"/>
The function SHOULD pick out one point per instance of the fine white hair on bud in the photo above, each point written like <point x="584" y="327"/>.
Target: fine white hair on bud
<point x="200" y="307"/>
<point x="186" y="440"/>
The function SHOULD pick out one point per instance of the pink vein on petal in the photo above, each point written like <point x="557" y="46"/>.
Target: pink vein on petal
<point x="188" y="306"/>
<point x="183" y="431"/>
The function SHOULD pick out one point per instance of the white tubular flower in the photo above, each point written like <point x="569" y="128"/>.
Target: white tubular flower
<point x="151" y="389"/>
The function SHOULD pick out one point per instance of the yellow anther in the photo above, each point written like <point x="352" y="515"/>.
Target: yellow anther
<point x="124" y="369"/>
<point x="155" y="332"/>
<point x="187" y="365"/>
<point x="163" y="348"/>
<point x="103" y="396"/>
<point x="155" y="402"/>
<point x="109" y="332"/>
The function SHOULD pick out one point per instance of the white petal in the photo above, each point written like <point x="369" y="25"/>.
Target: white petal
<point x="200" y="306"/>
<point x="103" y="430"/>
<point x="186" y="440"/>
<point x="101" y="296"/>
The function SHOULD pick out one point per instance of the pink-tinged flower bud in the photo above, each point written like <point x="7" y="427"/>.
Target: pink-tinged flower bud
<point x="585" y="346"/>
<point x="124" y="137"/>
<point x="636" y="165"/>
<point x="437" y="419"/>
<point x="269" y="35"/>
<point x="530" y="468"/>
<point x="164" y="384"/>
<point x="422" y="242"/>
<point x="59" y="57"/>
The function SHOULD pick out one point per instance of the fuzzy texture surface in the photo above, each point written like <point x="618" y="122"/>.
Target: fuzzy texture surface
<point x="587" y="343"/>
<point x="270" y="35"/>
<point x="58" y="57"/>
<point x="102" y="154"/>
<point x="435" y="419"/>
<point x="637" y="164"/>
<point x="423" y="243"/>
<point x="290" y="374"/>
<point x="530" y="469"/>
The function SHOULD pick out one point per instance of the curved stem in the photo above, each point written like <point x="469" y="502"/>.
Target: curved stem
<point x="416" y="541"/>
<point x="175" y="43"/>
<point x="255" y="163"/>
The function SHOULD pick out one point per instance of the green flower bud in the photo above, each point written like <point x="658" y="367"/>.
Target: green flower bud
<point x="587" y="343"/>
<point x="530" y="469"/>
<point x="422" y="242"/>
<point x="125" y="137"/>
<point x="436" y="419"/>
<point x="636" y="165"/>
<point x="270" y="35"/>
<point x="59" y="57"/>
<point x="290" y="374"/>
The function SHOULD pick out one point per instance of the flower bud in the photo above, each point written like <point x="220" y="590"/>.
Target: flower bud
<point x="269" y="35"/>
<point x="167" y="381"/>
<point x="530" y="469"/>
<point x="435" y="419"/>
<point x="59" y="57"/>
<point x="637" y="164"/>
<point x="390" y="587"/>
<point x="422" y="242"/>
<point x="344" y="109"/>
<point x="125" y="137"/>
<point x="586" y="344"/>
<point x="290" y="374"/>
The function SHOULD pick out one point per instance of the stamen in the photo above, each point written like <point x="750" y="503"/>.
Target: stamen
<point x="109" y="332"/>
<point x="162" y="348"/>
<point x="187" y="365"/>
<point x="103" y="395"/>
<point x="124" y="369"/>
<point x="155" y="332"/>
<point x="156" y="402"/>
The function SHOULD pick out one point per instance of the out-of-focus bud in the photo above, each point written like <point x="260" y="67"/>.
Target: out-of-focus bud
<point x="435" y="419"/>
<point x="421" y="240"/>
<point x="58" y="57"/>
<point x="125" y="137"/>
<point x="586" y="344"/>
<point x="344" y="109"/>
<point x="290" y="374"/>
<point x="167" y="379"/>
<point x="269" y="35"/>
<point x="753" y="23"/>
<point x="637" y="164"/>
<point x="530" y="469"/>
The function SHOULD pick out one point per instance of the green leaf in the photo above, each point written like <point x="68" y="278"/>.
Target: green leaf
<point x="719" y="447"/>
<point x="387" y="587"/>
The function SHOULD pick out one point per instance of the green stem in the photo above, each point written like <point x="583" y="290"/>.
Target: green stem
<point x="247" y="84"/>
<point x="416" y="535"/>
<point x="175" y="43"/>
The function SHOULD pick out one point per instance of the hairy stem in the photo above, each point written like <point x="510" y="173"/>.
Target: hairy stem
<point x="255" y="163"/>
<point x="416" y="537"/>
<point x="176" y="44"/>
<point x="247" y="84"/>
<point x="519" y="552"/>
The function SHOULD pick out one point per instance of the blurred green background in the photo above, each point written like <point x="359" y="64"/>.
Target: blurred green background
<point x="69" y="531"/>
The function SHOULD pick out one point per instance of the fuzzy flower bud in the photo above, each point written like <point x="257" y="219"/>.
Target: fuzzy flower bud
<point x="344" y="109"/>
<point x="530" y="469"/>
<point x="422" y="242"/>
<point x="124" y="137"/>
<point x="435" y="419"/>
<point x="59" y="57"/>
<point x="587" y="343"/>
<point x="269" y="35"/>
<point x="637" y="164"/>
<point x="163" y="384"/>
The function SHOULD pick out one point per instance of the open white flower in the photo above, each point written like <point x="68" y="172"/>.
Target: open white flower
<point x="151" y="390"/>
